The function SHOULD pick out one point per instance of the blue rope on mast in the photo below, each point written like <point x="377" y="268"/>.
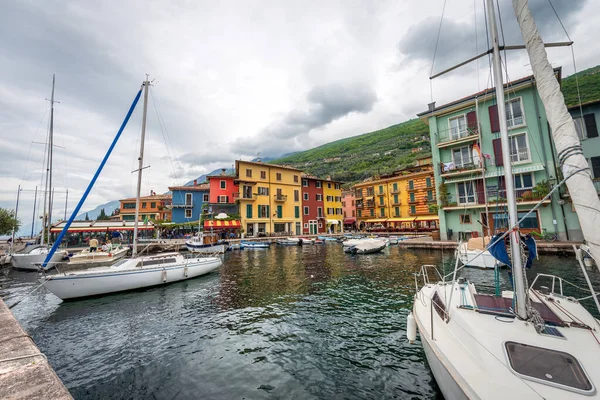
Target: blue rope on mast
<point x="89" y="188"/>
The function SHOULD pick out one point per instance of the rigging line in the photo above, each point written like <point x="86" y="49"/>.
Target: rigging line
<point x="437" y="40"/>
<point x="165" y="136"/>
<point x="559" y="20"/>
<point x="30" y="146"/>
<point x="502" y="33"/>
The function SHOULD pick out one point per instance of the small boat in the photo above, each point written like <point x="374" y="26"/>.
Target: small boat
<point x="393" y="239"/>
<point x="473" y="253"/>
<point x="129" y="274"/>
<point x="207" y="244"/>
<point x="327" y="238"/>
<point x="234" y="246"/>
<point x="93" y="259"/>
<point x="254" y="245"/>
<point x="291" y="241"/>
<point x="5" y="258"/>
<point x="368" y="247"/>
<point x="33" y="256"/>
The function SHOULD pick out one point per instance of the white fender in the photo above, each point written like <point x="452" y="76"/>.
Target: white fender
<point x="411" y="328"/>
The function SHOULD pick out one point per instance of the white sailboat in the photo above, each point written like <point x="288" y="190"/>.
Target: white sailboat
<point x="473" y="253"/>
<point x="106" y="256"/>
<point x="32" y="256"/>
<point x="535" y="342"/>
<point x="134" y="273"/>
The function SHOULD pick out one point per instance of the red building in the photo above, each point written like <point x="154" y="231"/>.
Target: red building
<point x="313" y="213"/>
<point x="349" y="210"/>
<point x="221" y="196"/>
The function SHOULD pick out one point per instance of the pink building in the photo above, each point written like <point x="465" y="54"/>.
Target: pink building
<point x="349" y="210"/>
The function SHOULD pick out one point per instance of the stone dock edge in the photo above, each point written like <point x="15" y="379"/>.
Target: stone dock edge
<point x="24" y="371"/>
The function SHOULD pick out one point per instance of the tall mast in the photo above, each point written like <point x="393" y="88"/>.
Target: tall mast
<point x="567" y="143"/>
<point x="12" y="240"/>
<point x="517" y="263"/>
<point x="140" y="167"/>
<point x="33" y="218"/>
<point x="50" y="151"/>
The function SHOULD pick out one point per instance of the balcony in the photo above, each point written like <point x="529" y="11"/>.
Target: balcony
<point x="186" y="205"/>
<point x="454" y="136"/>
<point x="280" y="198"/>
<point x="411" y="188"/>
<point x="523" y="196"/>
<point x="395" y="191"/>
<point x="369" y="204"/>
<point x="449" y="169"/>
<point x="396" y="203"/>
<point x="244" y="196"/>
<point x="358" y="196"/>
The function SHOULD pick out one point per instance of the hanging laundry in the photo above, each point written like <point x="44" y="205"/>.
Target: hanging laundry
<point x="448" y="166"/>
<point x="477" y="155"/>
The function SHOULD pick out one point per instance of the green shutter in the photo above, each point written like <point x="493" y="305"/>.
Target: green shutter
<point x="430" y="194"/>
<point x="359" y="213"/>
<point x="395" y="186"/>
<point x="411" y="185"/>
<point x="381" y="201"/>
<point x="397" y="211"/>
<point x="380" y="189"/>
<point x="297" y="211"/>
<point x="268" y="211"/>
<point x="428" y="182"/>
<point x="372" y="212"/>
<point x="248" y="210"/>
<point x="395" y="199"/>
<point x="279" y="211"/>
<point x="413" y="209"/>
<point x="412" y="196"/>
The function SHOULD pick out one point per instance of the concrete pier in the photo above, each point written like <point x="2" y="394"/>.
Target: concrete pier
<point x="24" y="371"/>
<point x="543" y="247"/>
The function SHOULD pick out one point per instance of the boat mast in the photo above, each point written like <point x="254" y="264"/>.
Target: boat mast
<point x="50" y="151"/>
<point x="12" y="240"/>
<point x="146" y="84"/>
<point x="33" y="218"/>
<point x="517" y="262"/>
<point x="568" y="146"/>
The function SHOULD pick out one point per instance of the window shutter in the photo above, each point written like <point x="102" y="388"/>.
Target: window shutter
<point x="498" y="152"/>
<point x="479" y="189"/>
<point x="596" y="166"/>
<point x="297" y="212"/>
<point x="248" y="210"/>
<point x="494" y="120"/>
<point x="279" y="211"/>
<point x="268" y="212"/>
<point x="226" y="199"/>
<point x="590" y="125"/>
<point x="472" y="122"/>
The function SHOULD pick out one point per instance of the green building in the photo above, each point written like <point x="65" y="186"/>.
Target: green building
<point x="468" y="165"/>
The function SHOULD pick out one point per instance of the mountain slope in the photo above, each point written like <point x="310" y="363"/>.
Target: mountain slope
<point x="589" y="86"/>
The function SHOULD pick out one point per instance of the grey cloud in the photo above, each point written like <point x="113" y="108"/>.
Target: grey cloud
<point x="326" y="104"/>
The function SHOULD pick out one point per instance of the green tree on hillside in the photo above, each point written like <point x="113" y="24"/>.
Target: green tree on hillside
<point x="8" y="221"/>
<point x="102" y="215"/>
<point x="86" y="217"/>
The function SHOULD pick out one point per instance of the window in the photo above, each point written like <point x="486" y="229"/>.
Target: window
<point x="382" y="212"/>
<point x="382" y="201"/>
<point x="353" y="212"/>
<point x="396" y="199"/>
<point x="248" y="173"/>
<point x="296" y="195"/>
<point x="305" y="196"/>
<point x="306" y="210"/>
<point x="343" y="204"/>
<point x="352" y="203"/>
<point x="205" y="197"/>
<point x="465" y="218"/>
<point x="337" y="186"/>
<point x="318" y="184"/>
<point x="344" y="214"/>
<point x="594" y="165"/>
<point x="188" y="199"/>
<point x="223" y="199"/>
<point x="395" y="186"/>
<point x="263" y="211"/>
<point x="461" y="157"/>
<point x="523" y="181"/>
<point x="128" y="206"/>
<point x="328" y="185"/>
<point x="372" y="212"/>
<point x="223" y="184"/>
<point x="297" y="212"/>
<point x="458" y="127"/>
<point x="320" y="225"/>
<point x="263" y="174"/>
<point x="413" y="209"/>
<point x="411" y="185"/>
<point x="428" y="182"/>
<point x="305" y="226"/>
<point x="519" y="148"/>
<point x="153" y="204"/>
<point x="246" y="192"/>
<point x="514" y="113"/>
<point x="305" y="182"/>
<point x="188" y="213"/>
<point x="248" y="210"/>
<point x="263" y="191"/>
<point x="320" y="212"/>
<point x="430" y="195"/>
<point x="359" y="213"/>
<point x="531" y="222"/>
<point x="279" y="211"/>
<point x="396" y="211"/>
<point x="319" y="197"/>
<point x="278" y="176"/>
<point x="380" y="189"/>
<point x="580" y="128"/>
<point x="295" y="178"/>
<point x="412" y="197"/>
<point x="144" y="204"/>
<point x="466" y="192"/>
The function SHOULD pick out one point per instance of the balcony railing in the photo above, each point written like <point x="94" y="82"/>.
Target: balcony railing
<point x="411" y="188"/>
<point x="369" y="204"/>
<point x="458" y="135"/>
<point x="451" y="168"/>
<point x="396" y="203"/>
<point x="186" y="205"/>
<point x="244" y="195"/>
<point x="280" y="197"/>
<point x="395" y="191"/>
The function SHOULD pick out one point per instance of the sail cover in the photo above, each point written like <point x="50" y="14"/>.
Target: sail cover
<point x="499" y="250"/>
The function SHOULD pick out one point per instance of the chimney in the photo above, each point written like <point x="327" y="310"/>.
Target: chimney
<point x="223" y="170"/>
<point x="431" y="106"/>
<point x="328" y="177"/>
<point x="195" y="182"/>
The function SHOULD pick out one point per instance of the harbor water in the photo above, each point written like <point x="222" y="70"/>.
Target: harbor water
<point x="305" y="322"/>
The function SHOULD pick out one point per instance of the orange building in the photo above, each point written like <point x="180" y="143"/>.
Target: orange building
<point x="153" y="207"/>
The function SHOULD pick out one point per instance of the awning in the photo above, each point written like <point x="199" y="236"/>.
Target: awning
<point x="428" y="218"/>
<point x="349" y="220"/>
<point x="405" y="219"/>
<point x="219" y="224"/>
<point x="104" y="229"/>
<point x="372" y="221"/>
<point x="333" y="221"/>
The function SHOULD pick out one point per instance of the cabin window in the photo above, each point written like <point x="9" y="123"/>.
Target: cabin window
<point x="223" y="184"/>
<point x="466" y="192"/>
<point x="552" y="367"/>
<point x="188" y="213"/>
<point x="248" y="173"/>
<point x="458" y="127"/>
<point x="465" y="218"/>
<point x="519" y="148"/>
<point x="263" y="175"/>
<point x="514" y="113"/>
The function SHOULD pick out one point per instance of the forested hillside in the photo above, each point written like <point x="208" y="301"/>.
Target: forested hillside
<point x="356" y="158"/>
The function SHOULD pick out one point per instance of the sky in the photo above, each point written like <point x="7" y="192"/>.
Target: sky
<point x="233" y="79"/>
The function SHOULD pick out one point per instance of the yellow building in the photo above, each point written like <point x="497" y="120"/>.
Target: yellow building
<point x="269" y="198"/>
<point x="332" y="194"/>
<point x="402" y="200"/>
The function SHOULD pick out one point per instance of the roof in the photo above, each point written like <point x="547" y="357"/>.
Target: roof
<point x="154" y="197"/>
<point x="314" y="178"/>
<point x="587" y="103"/>
<point x="203" y="187"/>
<point x="228" y="176"/>
<point x="262" y="164"/>
<point x="489" y="91"/>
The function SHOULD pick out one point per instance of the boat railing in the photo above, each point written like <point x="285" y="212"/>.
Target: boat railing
<point x="424" y="275"/>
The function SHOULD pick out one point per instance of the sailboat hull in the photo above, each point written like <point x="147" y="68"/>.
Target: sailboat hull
<point x="32" y="261"/>
<point x="93" y="284"/>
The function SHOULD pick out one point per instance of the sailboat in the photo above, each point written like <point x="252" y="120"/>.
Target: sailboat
<point x="474" y="253"/>
<point x="533" y="342"/>
<point x="128" y="274"/>
<point x="32" y="256"/>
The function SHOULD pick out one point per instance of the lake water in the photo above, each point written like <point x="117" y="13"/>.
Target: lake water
<point x="282" y="323"/>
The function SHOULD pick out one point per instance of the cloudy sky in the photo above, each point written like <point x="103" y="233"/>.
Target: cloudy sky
<point x="232" y="79"/>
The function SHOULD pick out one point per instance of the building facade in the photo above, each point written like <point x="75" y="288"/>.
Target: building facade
<point x="349" y="210"/>
<point x="222" y="192"/>
<point x="269" y="198"/>
<point x="468" y="164"/>
<point x="190" y="202"/>
<point x="334" y="216"/>
<point x="313" y="206"/>
<point x="153" y="207"/>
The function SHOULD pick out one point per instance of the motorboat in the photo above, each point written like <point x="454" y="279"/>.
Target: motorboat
<point x="254" y="245"/>
<point x="129" y="274"/>
<point x="367" y="247"/>
<point x="291" y="241"/>
<point x="32" y="257"/>
<point x="207" y="244"/>
<point x="474" y="253"/>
